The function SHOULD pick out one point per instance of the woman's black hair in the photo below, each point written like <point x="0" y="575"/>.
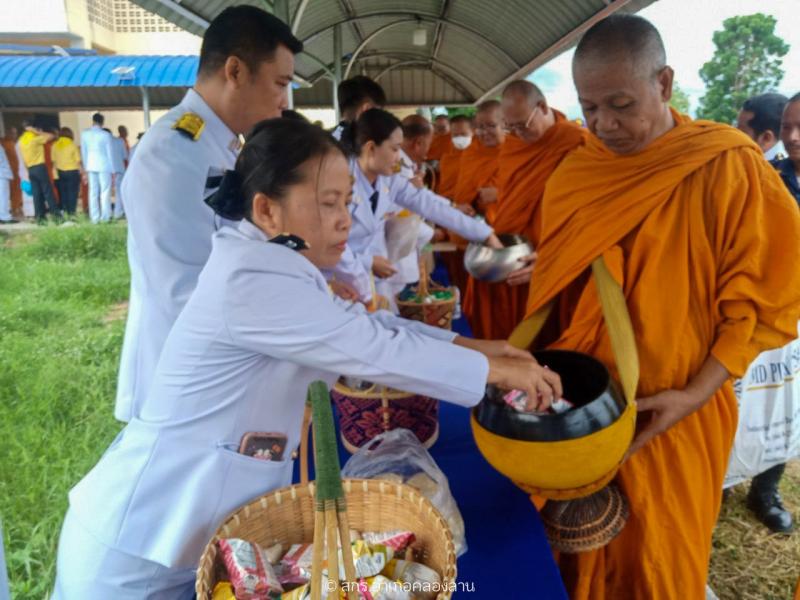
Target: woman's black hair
<point x="374" y="125"/>
<point x="271" y="161"/>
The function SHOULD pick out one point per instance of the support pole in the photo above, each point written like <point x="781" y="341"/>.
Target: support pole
<point x="337" y="67"/>
<point x="146" y="106"/>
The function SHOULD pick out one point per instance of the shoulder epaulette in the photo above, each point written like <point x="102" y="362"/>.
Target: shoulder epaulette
<point x="190" y="125"/>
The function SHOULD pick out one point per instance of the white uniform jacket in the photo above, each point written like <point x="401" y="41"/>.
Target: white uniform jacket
<point x="259" y="328"/>
<point x="97" y="150"/>
<point x="169" y="235"/>
<point x="367" y="235"/>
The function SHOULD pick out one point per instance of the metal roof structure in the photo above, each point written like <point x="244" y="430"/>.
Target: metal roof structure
<point x="468" y="51"/>
<point x="94" y="82"/>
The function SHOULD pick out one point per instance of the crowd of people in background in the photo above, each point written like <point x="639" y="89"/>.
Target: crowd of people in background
<point x="45" y="170"/>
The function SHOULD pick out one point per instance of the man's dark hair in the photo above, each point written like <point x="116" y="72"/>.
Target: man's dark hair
<point x="357" y="90"/>
<point x="767" y="111"/>
<point x="98" y="119"/>
<point x="246" y="32"/>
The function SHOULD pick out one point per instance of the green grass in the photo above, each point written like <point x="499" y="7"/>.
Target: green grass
<point x="59" y="353"/>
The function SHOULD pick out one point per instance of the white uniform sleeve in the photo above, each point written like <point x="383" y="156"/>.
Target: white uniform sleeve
<point x="289" y="319"/>
<point x="435" y="208"/>
<point x="84" y="149"/>
<point x="351" y="270"/>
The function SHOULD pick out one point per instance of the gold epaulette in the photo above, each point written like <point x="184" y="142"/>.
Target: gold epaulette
<point x="190" y="125"/>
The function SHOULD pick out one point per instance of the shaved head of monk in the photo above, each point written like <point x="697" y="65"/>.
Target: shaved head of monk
<point x="624" y="84"/>
<point x="417" y="137"/>
<point x="460" y="125"/>
<point x="525" y="111"/>
<point x="441" y="125"/>
<point x="489" y="124"/>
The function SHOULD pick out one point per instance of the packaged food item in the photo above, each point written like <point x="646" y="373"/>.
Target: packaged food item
<point x="274" y="553"/>
<point x="397" y="540"/>
<point x="369" y="559"/>
<point x="251" y="574"/>
<point x="517" y="399"/>
<point x="422" y="581"/>
<point x="223" y="591"/>
<point x="383" y="588"/>
<point x="295" y="566"/>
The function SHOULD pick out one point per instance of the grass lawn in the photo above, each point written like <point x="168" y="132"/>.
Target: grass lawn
<point x="62" y="310"/>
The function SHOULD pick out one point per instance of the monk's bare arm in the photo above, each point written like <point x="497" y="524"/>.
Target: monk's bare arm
<point x="665" y="409"/>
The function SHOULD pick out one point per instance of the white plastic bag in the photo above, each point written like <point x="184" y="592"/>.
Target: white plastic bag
<point x="769" y="414"/>
<point x="401" y="236"/>
<point x="398" y="456"/>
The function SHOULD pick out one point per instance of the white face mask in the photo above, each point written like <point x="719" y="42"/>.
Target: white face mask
<point x="462" y="142"/>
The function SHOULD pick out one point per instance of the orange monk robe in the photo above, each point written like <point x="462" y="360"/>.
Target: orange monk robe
<point x="449" y="168"/>
<point x="495" y="309"/>
<point x="705" y="242"/>
<point x="478" y="168"/>
<point x="10" y="149"/>
<point x="440" y="145"/>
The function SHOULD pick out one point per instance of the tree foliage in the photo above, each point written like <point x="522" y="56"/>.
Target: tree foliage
<point x="679" y="100"/>
<point x="747" y="61"/>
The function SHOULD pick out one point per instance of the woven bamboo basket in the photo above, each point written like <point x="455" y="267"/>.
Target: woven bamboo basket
<point x="292" y="515"/>
<point x="438" y="313"/>
<point x="366" y="413"/>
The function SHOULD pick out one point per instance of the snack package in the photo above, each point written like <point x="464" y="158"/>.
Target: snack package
<point x="397" y="540"/>
<point x="517" y="400"/>
<point x="399" y="455"/>
<point x="383" y="588"/>
<point x="295" y="566"/>
<point x="274" y="553"/>
<point x="223" y="591"/>
<point x="251" y="574"/>
<point x="423" y="581"/>
<point x="369" y="559"/>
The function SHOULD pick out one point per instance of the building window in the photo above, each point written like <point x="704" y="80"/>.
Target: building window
<point x="125" y="17"/>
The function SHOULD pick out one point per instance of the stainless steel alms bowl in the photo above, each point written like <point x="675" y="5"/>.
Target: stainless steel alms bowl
<point x="493" y="265"/>
<point x="587" y="384"/>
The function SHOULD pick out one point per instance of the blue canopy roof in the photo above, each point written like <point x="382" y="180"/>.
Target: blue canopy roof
<point x="93" y="82"/>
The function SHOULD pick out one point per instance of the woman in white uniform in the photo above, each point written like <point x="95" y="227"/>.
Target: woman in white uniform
<point x="379" y="192"/>
<point x="259" y="327"/>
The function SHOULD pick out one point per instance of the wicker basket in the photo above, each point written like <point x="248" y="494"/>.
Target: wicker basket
<point x="438" y="313"/>
<point x="364" y="414"/>
<point x="288" y="516"/>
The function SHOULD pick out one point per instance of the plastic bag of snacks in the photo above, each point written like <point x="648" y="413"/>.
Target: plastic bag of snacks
<point x="398" y="456"/>
<point x="251" y="574"/>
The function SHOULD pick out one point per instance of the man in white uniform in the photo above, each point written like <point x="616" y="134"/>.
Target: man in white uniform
<point x="246" y="66"/>
<point x="356" y="95"/>
<point x="97" y="156"/>
<point x="6" y="178"/>
<point x="119" y="160"/>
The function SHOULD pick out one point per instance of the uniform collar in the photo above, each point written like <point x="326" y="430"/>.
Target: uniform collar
<point x="214" y="126"/>
<point x="773" y="152"/>
<point x="251" y="231"/>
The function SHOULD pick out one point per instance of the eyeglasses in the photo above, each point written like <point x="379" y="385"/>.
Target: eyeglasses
<point x="518" y="128"/>
<point x="486" y="126"/>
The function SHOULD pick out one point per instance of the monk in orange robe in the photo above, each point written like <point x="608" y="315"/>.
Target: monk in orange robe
<point x="479" y="165"/>
<point x="540" y="138"/>
<point x="704" y="240"/>
<point x="441" y="138"/>
<point x="450" y="163"/>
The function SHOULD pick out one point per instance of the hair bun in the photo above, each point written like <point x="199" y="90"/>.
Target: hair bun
<point x="228" y="201"/>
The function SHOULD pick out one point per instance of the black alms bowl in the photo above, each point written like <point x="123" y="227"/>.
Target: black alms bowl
<point x="587" y="384"/>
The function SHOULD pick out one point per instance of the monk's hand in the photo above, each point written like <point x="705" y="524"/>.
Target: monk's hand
<point x="493" y="242"/>
<point x="417" y="181"/>
<point x="541" y="385"/>
<point x="522" y="275"/>
<point x="382" y="267"/>
<point x="660" y="412"/>
<point x="487" y="195"/>
<point x="490" y="348"/>
<point x="344" y="290"/>
<point x="466" y="209"/>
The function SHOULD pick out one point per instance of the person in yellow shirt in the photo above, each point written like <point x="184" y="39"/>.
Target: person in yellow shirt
<point x="31" y="145"/>
<point x="67" y="161"/>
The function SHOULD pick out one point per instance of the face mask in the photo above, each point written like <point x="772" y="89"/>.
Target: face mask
<point x="461" y="142"/>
